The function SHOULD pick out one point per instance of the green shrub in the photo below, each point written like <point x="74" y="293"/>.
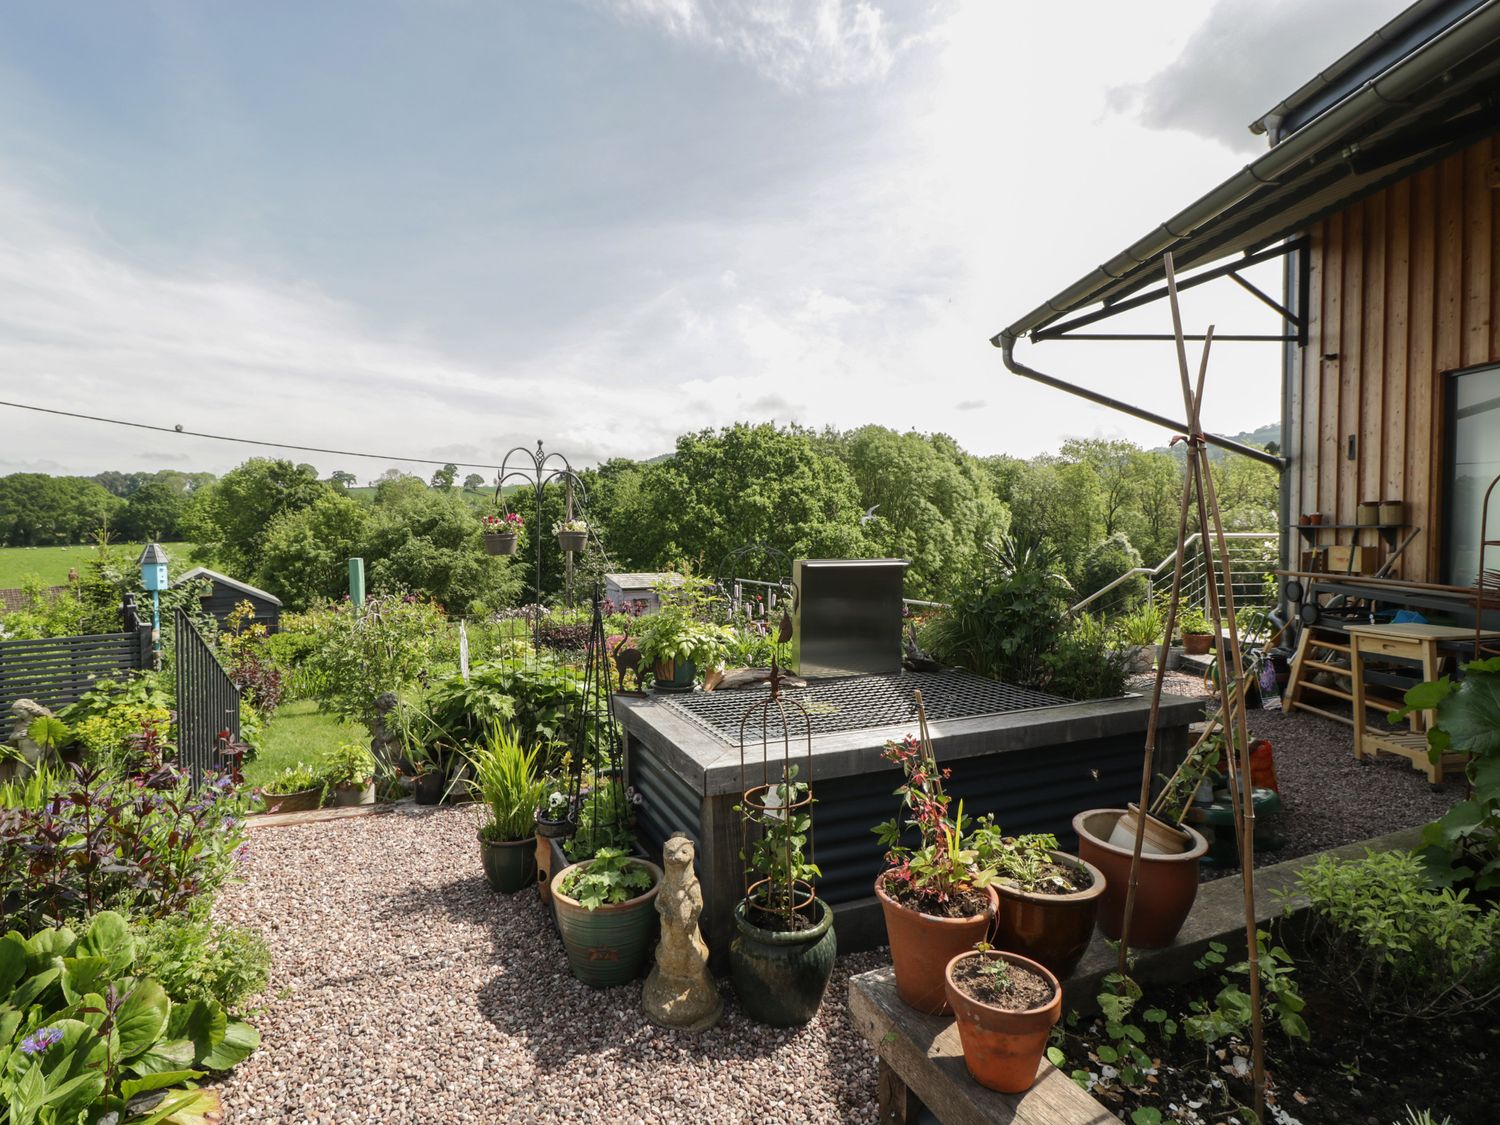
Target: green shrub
<point x="199" y="959"/>
<point x="541" y="700"/>
<point x="85" y="1036"/>
<point x="109" y="719"/>
<point x="1398" y="946"/>
<point x="509" y="783"/>
<point x="1084" y="663"/>
<point x="1106" y="561"/>
<point x="604" y="816"/>
<point x="363" y="651"/>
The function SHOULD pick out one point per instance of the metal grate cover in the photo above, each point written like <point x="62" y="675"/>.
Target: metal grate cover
<point x="859" y="702"/>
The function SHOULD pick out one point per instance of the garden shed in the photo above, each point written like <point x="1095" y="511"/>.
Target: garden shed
<point x="225" y="593"/>
<point x="637" y="587"/>
<point x="1380" y="195"/>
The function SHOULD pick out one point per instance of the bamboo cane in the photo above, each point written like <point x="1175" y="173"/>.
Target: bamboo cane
<point x="1233" y="708"/>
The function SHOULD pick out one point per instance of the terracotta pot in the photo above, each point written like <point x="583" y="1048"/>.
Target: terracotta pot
<point x="1003" y="1049"/>
<point x="1161" y="838"/>
<point x="1197" y="644"/>
<point x="1051" y="929"/>
<point x="1166" y="890"/>
<point x="923" y="944"/>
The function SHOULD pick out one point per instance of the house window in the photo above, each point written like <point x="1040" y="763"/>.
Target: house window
<point x="1474" y="399"/>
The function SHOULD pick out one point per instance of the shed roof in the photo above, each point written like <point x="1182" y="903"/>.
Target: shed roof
<point x="644" y="580"/>
<point x="1420" y="88"/>
<point x="233" y="583"/>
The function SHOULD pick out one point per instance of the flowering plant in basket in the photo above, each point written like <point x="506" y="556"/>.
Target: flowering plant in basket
<point x="951" y="862"/>
<point x="510" y="523"/>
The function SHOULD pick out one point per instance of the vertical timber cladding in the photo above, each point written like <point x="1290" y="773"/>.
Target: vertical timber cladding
<point x="1401" y="289"/>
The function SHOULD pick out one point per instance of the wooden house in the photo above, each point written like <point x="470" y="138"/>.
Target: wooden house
<point x="226" y="593"/>
<point x="1380" y="194"/>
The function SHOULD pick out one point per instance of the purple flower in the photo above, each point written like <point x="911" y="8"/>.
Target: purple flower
<point x="39" y="1041"/>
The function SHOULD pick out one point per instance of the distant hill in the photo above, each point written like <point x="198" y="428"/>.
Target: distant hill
<point x="1258" y="438"/>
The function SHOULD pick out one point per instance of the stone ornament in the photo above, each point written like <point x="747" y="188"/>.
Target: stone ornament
<point x="680" y="994"/>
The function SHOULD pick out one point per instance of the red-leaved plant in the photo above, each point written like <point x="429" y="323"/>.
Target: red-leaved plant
<point x="948" y="863"/>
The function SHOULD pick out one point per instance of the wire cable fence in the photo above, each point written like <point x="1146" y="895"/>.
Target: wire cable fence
<point x="1252" y="556"/>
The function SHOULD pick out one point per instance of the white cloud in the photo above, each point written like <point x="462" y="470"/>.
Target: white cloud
<point x="795" y="43"/>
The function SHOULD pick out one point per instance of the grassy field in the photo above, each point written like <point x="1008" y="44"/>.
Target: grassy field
<point x="298" y="732"/>
<point x="51" y="564"/>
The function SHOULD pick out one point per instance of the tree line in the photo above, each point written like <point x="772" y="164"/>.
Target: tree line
<point x="870" y="492"/>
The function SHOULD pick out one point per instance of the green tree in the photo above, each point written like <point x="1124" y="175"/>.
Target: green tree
<point x="473" y="482"/>
<point x="305" y="553"/>
<point x="443" y="479"/>
<point x="1112" y="463"/>
<point x="228" y="520"/>
<point x="1157" y="490"/>
<point x="342" y="478"/>
<point x="41" y="510"/>
<point x="154" y="510"/>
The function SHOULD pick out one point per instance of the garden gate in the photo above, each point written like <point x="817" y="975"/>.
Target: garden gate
<point x="208" y="703"/>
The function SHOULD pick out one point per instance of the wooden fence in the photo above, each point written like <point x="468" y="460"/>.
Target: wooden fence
<point x="59" y="670"/>
<point x="208" y="703"/>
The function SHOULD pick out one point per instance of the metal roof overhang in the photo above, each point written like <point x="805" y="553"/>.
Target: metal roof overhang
<point x="1435" y="100"/>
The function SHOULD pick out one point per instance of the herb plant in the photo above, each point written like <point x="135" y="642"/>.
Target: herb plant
<point x="610" y="878"/>
<point x="507" y="780"/>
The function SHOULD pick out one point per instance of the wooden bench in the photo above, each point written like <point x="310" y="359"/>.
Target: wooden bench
<point x="922" y="1073"/>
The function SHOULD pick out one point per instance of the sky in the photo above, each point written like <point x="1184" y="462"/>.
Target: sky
<point x="444" y="228"/>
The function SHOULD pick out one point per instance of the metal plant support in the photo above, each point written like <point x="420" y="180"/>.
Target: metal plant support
<point x="536" y="469"/>
<point x="597" y="750"/>
<point x="769" y="811"/>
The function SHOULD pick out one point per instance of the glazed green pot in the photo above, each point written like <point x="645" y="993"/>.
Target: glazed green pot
<point x="609" y="945"/>
<point x="779" y="977"/>
<point x="509" y="865"/>
<point x="673" y="676"/>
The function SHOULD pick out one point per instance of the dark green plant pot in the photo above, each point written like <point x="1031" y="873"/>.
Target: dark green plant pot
<point x="304" y="800"/>
<point x="428" y="787"/>
<point x="673" y="676"/>
<point x="554" y="829"/>
<point x="509" y="865"/>
<point x="780" y="978"/>
<point x="607" y="946"/>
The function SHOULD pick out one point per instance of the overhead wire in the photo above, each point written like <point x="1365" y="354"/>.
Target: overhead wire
<point x="178" y="430"/>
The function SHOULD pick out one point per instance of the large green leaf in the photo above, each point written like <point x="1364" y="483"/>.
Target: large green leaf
<point x="130" y="1087"/>
<point x="109" y="937"/>
<point x="202" y="1022"/>
<point x="169" y="1054"/>
<point x="46" y="944"/>
<point x="1471" y="715"/>
<point x="12" y="962"/>
<point x="25" y="993"/>
<point x="141" y="1018"/>
<point x="83" y="975"/>
<point x="240" y="1039"/>
<point x="66" y="1100"/>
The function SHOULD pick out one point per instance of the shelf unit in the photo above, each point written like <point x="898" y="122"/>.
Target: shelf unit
<point x="1388" y="531"/>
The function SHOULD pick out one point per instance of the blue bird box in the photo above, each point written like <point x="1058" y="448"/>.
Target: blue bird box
<point x="153" y="564"/>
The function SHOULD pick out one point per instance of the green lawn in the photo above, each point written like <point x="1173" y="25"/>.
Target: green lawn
<point x="51" y="564"/>
<point x="298" y="732"/>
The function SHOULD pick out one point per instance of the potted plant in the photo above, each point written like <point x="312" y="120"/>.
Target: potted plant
<point x="601" y="820"/>
<point x="1139" y="633"/>
<point x="782" y="953"/>
<point x="507" y="781"/>
<point x="350" y="772"/>
<point x="677" y="644"/>
<point x="502" y="533"/>
<point x="1048" y="899"/>
<point x="1197" y="633"/>
<point x="554" y="810"/>
<point x="1166" y="887"/>
<point x="572" y="535"/>
<point x="936" y="897"/>
<point x="297" y="788"/>
<point x="606" y="914"/>
<point x="1005" y="1006"/>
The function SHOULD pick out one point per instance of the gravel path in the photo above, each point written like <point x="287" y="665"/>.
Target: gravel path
<point x="405" y="990"/>
<point x="1328" y="798"/>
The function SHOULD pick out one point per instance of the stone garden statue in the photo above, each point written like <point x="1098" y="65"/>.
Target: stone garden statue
<point x="679" y="993"/>
<point x="385" y="742"/>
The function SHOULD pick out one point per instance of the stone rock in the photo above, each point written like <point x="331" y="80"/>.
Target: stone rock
<point x="24" y="712"/>
<point x="680" y="994"/>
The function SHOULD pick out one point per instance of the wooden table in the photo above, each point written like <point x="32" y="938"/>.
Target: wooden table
<point x="923" y="1077"/>
<point x="1408" y="641"/>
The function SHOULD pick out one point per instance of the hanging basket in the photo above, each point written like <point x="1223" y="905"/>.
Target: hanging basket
<point x="572" y="541"/>
<point x="500" y="542"/>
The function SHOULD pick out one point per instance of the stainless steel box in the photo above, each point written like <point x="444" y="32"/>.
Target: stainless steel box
<point x="847" y="616"/>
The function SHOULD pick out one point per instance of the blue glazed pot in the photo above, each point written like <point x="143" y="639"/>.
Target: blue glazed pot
<point x="674" y="675"/>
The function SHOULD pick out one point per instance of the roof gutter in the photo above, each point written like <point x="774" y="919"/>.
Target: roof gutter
<point x="1405" y="78"/>
<point x="1007" y="346"/>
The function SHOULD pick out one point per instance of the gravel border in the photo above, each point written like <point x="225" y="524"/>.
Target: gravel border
<point x="405" y="990"/>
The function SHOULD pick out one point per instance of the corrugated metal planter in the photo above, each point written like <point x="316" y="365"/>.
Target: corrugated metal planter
<point x="1051" y="929"/>
<point x="780" y="978"/>
<point x="607" y="946"/>
<point x="509" y="865"/>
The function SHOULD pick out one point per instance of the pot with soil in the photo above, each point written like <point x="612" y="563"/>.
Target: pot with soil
<point x="1166" y="890"/>
<point x="922" y="943"/>
<point x="606" y="914"/>
<point x="780" y="973"/>
<point x="509" y="865"/>
<point x="297" y="788"/>
<point x="1005" y="1006"/>
<point x="1048" y="909"/>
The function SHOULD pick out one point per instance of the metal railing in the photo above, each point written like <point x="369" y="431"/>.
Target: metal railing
<point x="784" y="590"/>
<point x="1252" y="555"/>
<point x="208" y="703"/>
